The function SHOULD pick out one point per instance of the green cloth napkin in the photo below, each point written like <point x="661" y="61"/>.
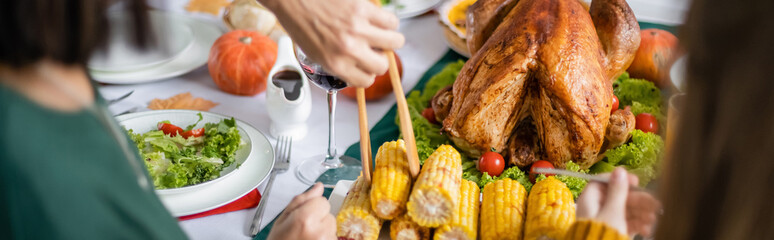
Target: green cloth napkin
<point x="386" y="130"/>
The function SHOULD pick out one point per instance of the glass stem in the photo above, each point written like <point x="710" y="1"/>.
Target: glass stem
<point x="330" y="159"/>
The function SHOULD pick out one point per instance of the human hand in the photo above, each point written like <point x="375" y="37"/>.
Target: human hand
<point x="306" y="217"/>
<point x="629" y="212"/>
<point x="344" y="36"/>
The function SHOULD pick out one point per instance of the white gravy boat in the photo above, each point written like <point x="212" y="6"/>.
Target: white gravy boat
<point x="288" y="98"/>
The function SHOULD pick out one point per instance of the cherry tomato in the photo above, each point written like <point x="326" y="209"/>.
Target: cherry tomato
<point x="429" y="114"/>
<point x="169" y="129"/>
<point x="539" y="164"/>
<point x="193" y="133"/>
<point x="615" y="104"/>
<point x="491" y="163"/>
<point x="646" y="122"/>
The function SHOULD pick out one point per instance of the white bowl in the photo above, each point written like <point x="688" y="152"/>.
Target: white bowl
<point x="146" y="121"/>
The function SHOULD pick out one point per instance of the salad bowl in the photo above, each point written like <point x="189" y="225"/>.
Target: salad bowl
<point x="253" y="162"/>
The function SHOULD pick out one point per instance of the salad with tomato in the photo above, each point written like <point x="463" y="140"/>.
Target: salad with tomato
<point x="177" y="157"/>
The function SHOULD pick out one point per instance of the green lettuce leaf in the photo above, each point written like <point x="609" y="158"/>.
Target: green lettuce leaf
<point x="640" y="156"/>
<point x="222" y="142"/>
<point x="444" y="78"/>
<point x="516" y="174"/>
<point x="485" y="179"/>
<point x="629" y="90"/>
<point x="156" y="163"/>
<point x="427" y="135"/>
<point x="187" y="173"/>
<point x="638" y="108"/>
<point x="540" y="177"/>
<point x="165" y="145"/>
<point x="601" y="167"/>
<point x="470" y="173"/>
<point x="576" y="185"/>
<point x="138" y="139"/>
<point x="192" y="126"/>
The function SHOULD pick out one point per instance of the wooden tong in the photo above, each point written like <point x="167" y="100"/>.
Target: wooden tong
<point x="403" y="113"/>
<point x="365" y="137"/>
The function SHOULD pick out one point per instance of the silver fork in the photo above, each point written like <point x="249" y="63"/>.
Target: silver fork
<point x="281" y="164"/>
<point x="122" y="97"/>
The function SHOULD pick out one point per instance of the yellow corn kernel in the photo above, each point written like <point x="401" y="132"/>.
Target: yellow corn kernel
<point x="464" y="224"/>
<point x="550" y="210"/>
<point x="391" y="180"/>
<point x="356" y="220"/>
<point x="590" y="229"/>
<point x="502" y="210"/>
<point x="436" y="193"/>
<point x="403" y="228"/>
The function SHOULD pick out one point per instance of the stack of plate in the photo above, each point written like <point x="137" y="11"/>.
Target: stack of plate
<point x="181" y="44"/>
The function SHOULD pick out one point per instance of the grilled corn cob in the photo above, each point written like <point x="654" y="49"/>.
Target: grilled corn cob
<point x="502" y="210"/>
<point x="403" y="228"/>
<point x="550" y="210"/>
<point x="465" y="220"/>
<point x="436" y="192"/>
<point x="590" y="229"/>
<point x="356" y="220"/>
<point x="391" y="182"/>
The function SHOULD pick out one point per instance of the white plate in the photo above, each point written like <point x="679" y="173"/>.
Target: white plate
<point x="172" y="35"/>
<point x="677" y="73"/>
<point x="255" y="166"/>
<point x="338" y="194"/>
<point x="410" y="8"/>
<point x="204" y="35"/>
<point x="337" y="198"/>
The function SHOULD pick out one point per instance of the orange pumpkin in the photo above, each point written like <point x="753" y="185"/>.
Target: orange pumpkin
<point x="240" y="62"/>
<point x="382" y="85"/>
<point x="658" y="51"/>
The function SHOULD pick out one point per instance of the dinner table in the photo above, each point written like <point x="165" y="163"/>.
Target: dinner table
<point x="425" y="45"/>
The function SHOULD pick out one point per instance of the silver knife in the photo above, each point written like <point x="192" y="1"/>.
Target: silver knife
<point x="111" y="101"/>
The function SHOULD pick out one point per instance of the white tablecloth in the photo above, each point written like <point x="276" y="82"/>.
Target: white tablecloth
<point x="424" y="46"/>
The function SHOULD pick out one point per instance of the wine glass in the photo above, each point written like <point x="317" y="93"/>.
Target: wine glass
<point x="326" y="168"/>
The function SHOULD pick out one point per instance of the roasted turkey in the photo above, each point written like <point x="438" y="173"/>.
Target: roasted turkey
<point x="546" y="67"/>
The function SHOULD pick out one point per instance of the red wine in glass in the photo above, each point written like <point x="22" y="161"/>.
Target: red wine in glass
<point x="327" y="168"/>
<point x="323" y="79"/>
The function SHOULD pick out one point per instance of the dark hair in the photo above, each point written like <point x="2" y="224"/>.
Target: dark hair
<point x="717" y="183"/>
<point x="66" y="31"/>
